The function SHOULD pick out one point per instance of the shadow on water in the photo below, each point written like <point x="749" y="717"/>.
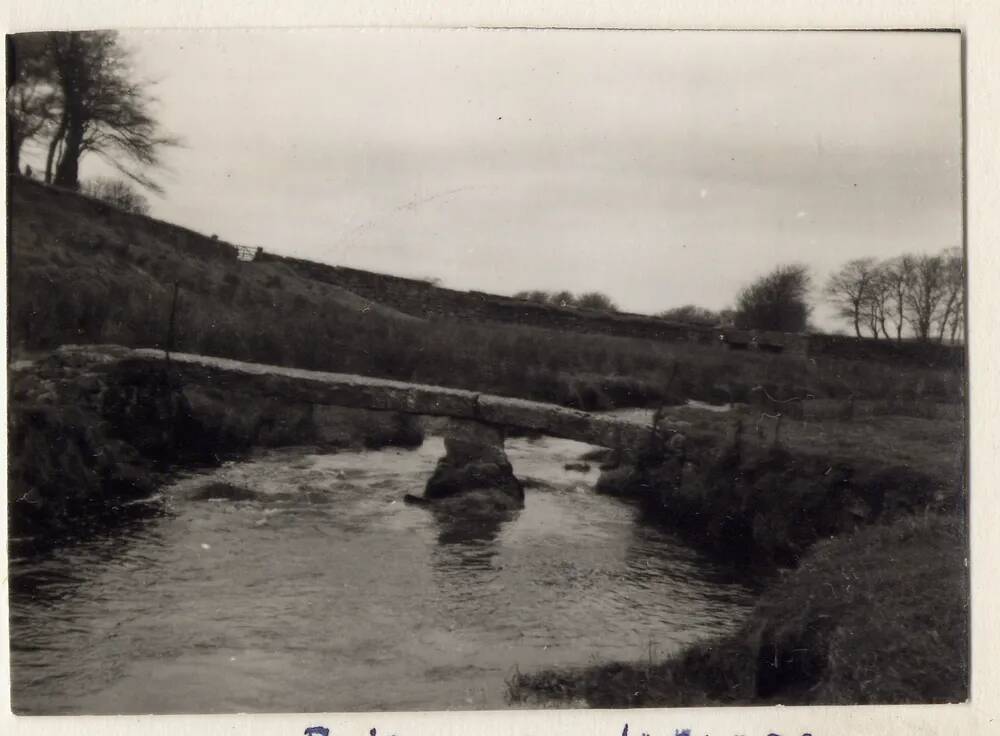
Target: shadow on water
<point x="655" y="556"/>
<point x="47" y="569"/>
<point x="103" y="530"/>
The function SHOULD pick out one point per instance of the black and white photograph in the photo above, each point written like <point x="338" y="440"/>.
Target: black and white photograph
<point x="467" y="369"/>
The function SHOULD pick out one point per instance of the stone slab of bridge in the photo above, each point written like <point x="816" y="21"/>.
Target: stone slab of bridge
<point x="476" y="423"/>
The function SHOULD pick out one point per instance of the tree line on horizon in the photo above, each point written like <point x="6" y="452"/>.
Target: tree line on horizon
<point x="589" y="300"/>
<point x="881" y="299"/>
<point x="775" y="301"/>
<point x="911" y="296"/>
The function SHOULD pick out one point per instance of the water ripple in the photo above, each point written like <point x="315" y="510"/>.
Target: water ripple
<point x="319" y="590"/>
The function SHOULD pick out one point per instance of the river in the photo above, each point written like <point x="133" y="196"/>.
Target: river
<point x="323" y="591"/>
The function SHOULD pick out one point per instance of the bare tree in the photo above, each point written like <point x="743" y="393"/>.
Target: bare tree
<point x="898" y="277"/>
<point x="31" y="95"/>
<point x="925" y="295"/>
<point x="98" y="107"/>
<point x="851" y="290"/>
<point x="880" y="302"/>
<point x="117" y="193"/>
<point x="953" y="299"/>
<point x="776" y="301"/>
<point x="958" y="318"/>
<point x="926" y="292"/>
<point x="871" y="312"/>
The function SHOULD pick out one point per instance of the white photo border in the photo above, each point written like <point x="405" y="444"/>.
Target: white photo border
<point x="979" y="22"/>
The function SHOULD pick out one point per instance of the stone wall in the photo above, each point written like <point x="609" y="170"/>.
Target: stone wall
<point x="908" y="352"/>
<point x="423" y="299"/>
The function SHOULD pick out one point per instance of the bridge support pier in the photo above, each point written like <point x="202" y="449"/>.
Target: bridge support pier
<point x="475" y="461"/>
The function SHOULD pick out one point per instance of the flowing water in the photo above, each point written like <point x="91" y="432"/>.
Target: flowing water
<point x="322" y="591"/>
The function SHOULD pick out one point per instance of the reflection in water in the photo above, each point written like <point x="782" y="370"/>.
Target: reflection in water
<point x="320" y="590"/>
<point x="469" y="527"/>
<point x="467" y="540"/>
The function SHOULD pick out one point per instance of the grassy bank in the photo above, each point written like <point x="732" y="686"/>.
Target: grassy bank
<point x="83" y="272"/>
<point x="879" y="616"/>
<point x="736" y="493"/>
<point x="858" y="527"/>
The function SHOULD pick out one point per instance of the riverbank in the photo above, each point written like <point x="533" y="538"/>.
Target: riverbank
<point x="878" y="616"/>
<point x="90" y="434"/>
<point x="751" y="495"/>
<point x="864" y="545"/>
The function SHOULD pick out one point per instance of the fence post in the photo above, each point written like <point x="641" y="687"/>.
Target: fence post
<point x="169" y="345"/>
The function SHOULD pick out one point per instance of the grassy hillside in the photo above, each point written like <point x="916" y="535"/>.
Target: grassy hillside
<point x="84" y="272"/>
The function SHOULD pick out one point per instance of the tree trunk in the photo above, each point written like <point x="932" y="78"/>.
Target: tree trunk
<point x="924" y="328"/>
<point x="872" y="321"/>
<point x="13" y="144"/>
<point x="68" y="170"/>
<point x="14" y="156"/>
<point x="947" y="316"/>
<point x="57" y="136"/>
<point x="944" y="323"/>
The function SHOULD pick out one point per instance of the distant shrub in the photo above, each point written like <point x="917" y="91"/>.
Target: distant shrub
<point x="117" y="193"/>
<point x="776" y="301"/>
<point x="541" y="297"/>
<point x="694" y="315"/>
<point x="596" y="300"/>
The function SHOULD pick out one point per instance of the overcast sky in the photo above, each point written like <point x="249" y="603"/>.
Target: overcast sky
<point x="661" y="168"/>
